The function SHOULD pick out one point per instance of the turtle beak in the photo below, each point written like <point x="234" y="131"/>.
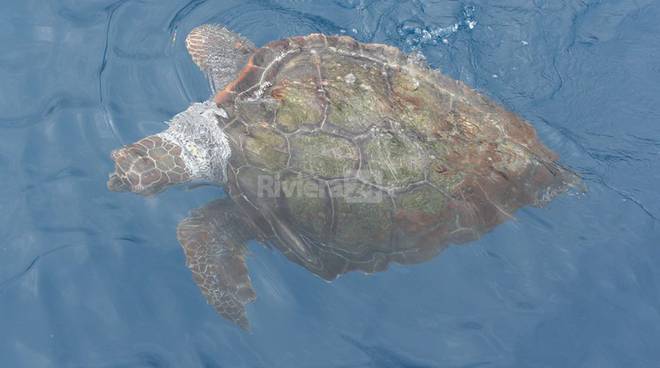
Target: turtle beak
<point x="118" y="179"/>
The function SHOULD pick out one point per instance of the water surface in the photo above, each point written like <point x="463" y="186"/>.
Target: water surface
<point x="90" y="278"/>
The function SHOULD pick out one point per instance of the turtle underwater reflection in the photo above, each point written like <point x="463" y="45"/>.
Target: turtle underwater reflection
<point x="344" y="156"/>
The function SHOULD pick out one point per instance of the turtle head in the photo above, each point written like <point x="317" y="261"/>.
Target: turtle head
<point x="193" y="148"/>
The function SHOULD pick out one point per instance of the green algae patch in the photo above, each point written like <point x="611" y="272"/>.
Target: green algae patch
<point x="425" y="199"/>
<point x="357" y="93"/>
<point x="398" y="160"/>
<point x="266" y="148"/>
<point x="299" y="107"/>
<point x="363" y="216"/>
<point x="323" y="155"/>
<point x="307" y="203"/>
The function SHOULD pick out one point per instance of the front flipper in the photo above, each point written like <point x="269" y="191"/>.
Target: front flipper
<point x="213" y="239"/>
<point x="219" y="52"/>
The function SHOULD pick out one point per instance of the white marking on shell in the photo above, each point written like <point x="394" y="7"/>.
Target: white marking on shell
<point x="260" y="92"/>
<point x="350" y="78"/>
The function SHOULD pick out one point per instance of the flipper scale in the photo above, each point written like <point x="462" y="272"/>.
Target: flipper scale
<point x="213" y="239"/>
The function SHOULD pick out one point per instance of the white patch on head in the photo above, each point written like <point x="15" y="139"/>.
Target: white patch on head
<point x="204" y="146"/>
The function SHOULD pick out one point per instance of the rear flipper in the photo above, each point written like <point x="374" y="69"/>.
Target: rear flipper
<point x="213" y="239"/>
<point x="554" y="179"/>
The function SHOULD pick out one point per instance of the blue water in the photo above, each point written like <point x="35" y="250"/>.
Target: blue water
<point x="90" y="278"/>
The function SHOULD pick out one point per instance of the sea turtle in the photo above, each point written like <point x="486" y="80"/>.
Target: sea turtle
<point x="343" y="155"/>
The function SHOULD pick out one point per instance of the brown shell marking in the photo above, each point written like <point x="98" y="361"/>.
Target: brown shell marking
<point x="226" y="93"/>
<point x="270" y="57"/>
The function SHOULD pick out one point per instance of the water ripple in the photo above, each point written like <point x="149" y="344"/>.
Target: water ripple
<point x="55" y="104"/>
<point x="81" y="78"/>
<point x="33" y="263"/>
